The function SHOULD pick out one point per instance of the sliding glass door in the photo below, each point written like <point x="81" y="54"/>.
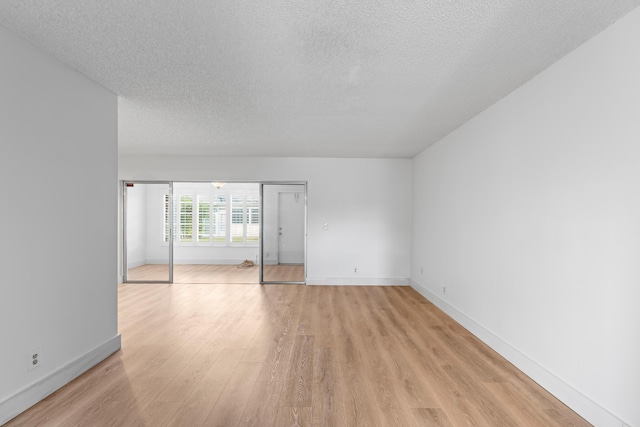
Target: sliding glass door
<point x="148" y="224"/>
<point x="283" y="233"/>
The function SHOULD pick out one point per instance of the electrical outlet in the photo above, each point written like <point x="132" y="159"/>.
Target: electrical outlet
<point x="444" y="289"/>
<point x="35" y="358"/>
<point x="325" y="226"/>
<point x="355" y="270"/>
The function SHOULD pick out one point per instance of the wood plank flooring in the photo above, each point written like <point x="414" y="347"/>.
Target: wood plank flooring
<point x="295" y="355"/>
<point x="217" y="273"/>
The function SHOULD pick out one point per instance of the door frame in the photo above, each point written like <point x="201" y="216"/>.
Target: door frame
<point x="125" y="267"/>
<point x="261" y="251"/>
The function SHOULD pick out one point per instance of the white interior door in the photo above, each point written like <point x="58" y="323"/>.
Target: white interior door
<point x="290" y="228"/>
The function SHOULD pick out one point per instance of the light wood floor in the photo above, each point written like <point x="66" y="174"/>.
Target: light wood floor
<point x="294" y="355"/>
<point x="217" y="273"/>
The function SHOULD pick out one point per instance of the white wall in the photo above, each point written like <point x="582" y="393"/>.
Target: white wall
<point x="137" y="225"/>
<point x="529" y="214"/>
<point x="58" y="133"/>
<point x="366" y="203"/>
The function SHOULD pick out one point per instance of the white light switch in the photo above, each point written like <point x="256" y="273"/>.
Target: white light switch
<point x="325" y="226"/>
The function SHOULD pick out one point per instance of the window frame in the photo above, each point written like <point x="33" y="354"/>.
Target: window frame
<point x="249" y="203"/>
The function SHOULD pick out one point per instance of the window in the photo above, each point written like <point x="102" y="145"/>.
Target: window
<point x="219" y="219"/>
<point x="204" y="218"/>
<point x="253" y="219"/>
<point x="166" y="219"/>
<point x="237" y="219"/>
<point x="206" y="213"/>
<point x="186" y="218"/>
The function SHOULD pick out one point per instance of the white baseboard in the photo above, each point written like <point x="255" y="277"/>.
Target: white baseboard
<point x="34" y="393"/>
<point x="209" y="261"/>
<point x="138" y="263"/>
<point x="200" y="261"/>
<point x="581" y="404"/>
<point x="356" y="281"/>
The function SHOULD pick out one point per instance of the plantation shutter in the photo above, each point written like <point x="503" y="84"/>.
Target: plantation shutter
<point x="253" y="219"/>
<point x="237" y="219"/>
<point x="186" y="218"/>
<point x="219" y="219"/>
<point x="204" y="218"/>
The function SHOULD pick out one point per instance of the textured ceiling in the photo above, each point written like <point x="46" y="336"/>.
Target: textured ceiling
<point x="332" y="78"/>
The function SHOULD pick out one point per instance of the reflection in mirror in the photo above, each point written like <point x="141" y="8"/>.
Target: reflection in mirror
<point x="147" y="259"/>
<point x="283" y="237"/>
<point x="218" y="232"/>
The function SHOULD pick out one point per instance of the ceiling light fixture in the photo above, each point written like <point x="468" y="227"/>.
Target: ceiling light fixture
<point x="218" y="185"/>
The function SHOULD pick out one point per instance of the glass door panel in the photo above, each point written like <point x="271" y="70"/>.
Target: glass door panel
<point x="283" y="242"/>
<point x="148" y="239"/>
